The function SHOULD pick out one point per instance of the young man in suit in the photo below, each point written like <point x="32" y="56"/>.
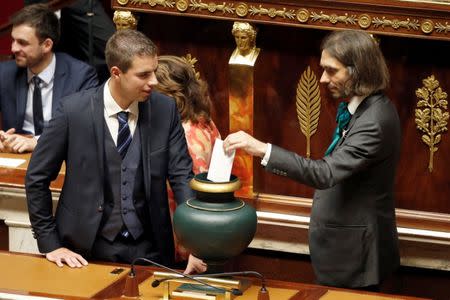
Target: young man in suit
<point x="120" y="142"/>
<point x="85" y="29"/>
<point x="32" y="85"/>
<point x="352" y="234"/>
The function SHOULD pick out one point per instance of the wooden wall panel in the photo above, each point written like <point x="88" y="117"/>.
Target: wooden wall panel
<point x="411" y="61"/>
<point x="7" y="8"/>
<point x="285" y="53"/>
<point x="207" y="40"/>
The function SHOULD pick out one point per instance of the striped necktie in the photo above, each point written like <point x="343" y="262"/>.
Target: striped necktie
<point x="124" y="134"/>
<point x="38" y="118"/>
<point x="343" y="117"/>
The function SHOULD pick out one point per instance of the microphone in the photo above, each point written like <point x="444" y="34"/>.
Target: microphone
<point x="132" y="290"/>
<point x="263" y="293"/>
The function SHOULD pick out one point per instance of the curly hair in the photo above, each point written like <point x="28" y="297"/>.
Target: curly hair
<point x="246" y="28"/>
<point x="176" y="78"/>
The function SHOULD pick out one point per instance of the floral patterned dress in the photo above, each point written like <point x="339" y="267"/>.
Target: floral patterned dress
<point x="200" y="139"/>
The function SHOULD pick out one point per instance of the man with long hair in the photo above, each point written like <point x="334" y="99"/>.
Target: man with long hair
<point x="352" y="233"/>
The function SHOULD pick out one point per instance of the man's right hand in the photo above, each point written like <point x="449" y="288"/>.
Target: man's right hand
<point x="244" y="141"/>
<point x="3" y="137"/>
<point x="64" y="255"/>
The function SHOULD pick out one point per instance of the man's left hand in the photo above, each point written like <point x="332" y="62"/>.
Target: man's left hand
<point x="16" y="143"/>
<point x="195" y="265"/>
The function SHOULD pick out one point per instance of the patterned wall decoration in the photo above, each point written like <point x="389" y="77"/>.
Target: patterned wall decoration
<point x="365" y="17"/>
<point x="308" y="106"/>
<point x="431" y="115"/>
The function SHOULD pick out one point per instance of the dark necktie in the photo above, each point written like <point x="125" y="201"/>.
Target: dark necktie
<point x="124" y="135"/>
<point x="38" y="118"/>
<point x="343" y="117"/>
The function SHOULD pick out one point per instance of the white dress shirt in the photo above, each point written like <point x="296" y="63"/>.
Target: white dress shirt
<point x="111" y="110"/>
<point x="47" y="77"/>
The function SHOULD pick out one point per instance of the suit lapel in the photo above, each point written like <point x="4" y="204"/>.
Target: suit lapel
<point x="58" y="82"/>
<point x="98" y="119"/>
<point x="145" y="134"/>
<point x="21" y="96"/>
<point x="365" y="104"/>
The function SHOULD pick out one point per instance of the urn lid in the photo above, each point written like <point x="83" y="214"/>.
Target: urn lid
<point x="200" y="184"/>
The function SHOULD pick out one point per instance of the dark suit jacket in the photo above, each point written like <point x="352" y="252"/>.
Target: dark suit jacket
<point x="353" y="235"/>
<point x="71" y="75"/>
<point x="76" y="136"/>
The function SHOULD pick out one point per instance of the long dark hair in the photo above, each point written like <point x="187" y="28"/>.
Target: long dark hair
<point x="360" y="53"/>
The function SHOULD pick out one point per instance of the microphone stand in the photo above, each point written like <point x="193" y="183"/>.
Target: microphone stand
<point x="263" y="293"/>
<point x="132" y="289"/>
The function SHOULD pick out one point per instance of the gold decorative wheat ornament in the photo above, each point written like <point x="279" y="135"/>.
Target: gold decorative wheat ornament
<point x="308" y="106"/>
<point x="431" y="115"/>
<point x="191" y="61"/>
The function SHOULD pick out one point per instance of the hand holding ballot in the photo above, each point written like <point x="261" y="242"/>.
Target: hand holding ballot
<point x="244" y="141"/>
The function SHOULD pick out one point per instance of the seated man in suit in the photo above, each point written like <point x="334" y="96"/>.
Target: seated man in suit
<point x="32" y="85"/>
<point x="85" y="29"/>
<point x="120" y="142"/>
<point x="352" y="232"/>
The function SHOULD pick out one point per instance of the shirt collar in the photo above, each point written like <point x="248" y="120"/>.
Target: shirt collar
<point x="47" y="74"/>
<point x="111" y="106"/>
<point x="354" y="102"/>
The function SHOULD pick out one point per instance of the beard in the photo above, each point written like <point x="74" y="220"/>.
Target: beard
<point x="28" y="61"/>
<point x="340" y="91"/>
<point x="337" y="92"/>
<point x="21" y="62"/>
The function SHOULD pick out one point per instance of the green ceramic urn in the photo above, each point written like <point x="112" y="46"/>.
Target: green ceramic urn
<point x="215" y="226"/>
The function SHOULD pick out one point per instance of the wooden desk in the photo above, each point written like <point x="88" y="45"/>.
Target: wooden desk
<point x="15" y="176"/>
<point x="275" y="232"/>
<point x="13" y="206"/>
<point x="33" y="275"/>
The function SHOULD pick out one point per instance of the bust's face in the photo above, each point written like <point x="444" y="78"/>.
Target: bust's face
<point x="242" y="42"/>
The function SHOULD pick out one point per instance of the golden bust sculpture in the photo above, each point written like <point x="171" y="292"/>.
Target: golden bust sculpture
<point x="124" y="19"/>
<point x="246" y="52"/>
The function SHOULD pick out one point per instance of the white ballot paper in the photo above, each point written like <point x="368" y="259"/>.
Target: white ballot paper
<point x="221" y="163"/>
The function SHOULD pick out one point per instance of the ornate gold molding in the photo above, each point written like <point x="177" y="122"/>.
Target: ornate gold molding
<point x="445" y="28"/>
<point x="396" y="23"/>
<point x="272" y="12"/>
<point x="365" y="18"/>
<point x="334" y="18"/>
<point x="212" y="7"/>
<point x="152" y="3"/>
<point x="431" y="118"/>
<point x="308" y="106"/>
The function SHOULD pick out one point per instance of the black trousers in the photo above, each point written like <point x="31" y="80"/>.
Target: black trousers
<point x="123" y="250"/>
<point x="75" y="33"/>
